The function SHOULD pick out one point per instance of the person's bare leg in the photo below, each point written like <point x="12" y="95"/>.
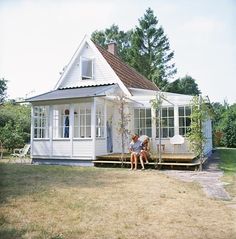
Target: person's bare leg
<point x="135" y="161"/>
<point x="141" y="161"/>
<point x="131" y="161"/>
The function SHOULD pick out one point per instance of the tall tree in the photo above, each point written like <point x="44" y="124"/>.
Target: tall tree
<point x="150" y="52"/>
<point x="146" y="48"/>
<point x="185" y="85"/>
<point x="3" y="89"/>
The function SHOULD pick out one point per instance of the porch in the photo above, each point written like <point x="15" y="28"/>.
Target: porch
<point x="169" y="160"/>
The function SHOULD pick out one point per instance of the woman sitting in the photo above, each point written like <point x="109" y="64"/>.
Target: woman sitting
<point x="145" y="150"/>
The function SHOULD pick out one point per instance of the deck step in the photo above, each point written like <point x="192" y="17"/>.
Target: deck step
<point x="193" y="164"/>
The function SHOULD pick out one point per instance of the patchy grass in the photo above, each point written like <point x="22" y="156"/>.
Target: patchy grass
<point x="228" y="160"/>
<point x="74" y="202"/>
<point x="228" y="165"/>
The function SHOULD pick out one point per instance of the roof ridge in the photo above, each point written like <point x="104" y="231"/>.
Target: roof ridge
<point x="150" y="84"/>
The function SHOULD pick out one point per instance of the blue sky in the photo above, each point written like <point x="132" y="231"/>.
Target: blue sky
<point x="38" y="39"/>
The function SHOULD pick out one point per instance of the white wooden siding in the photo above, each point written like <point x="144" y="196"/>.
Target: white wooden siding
<point x="83" y="148"/>
<point x="40" y="148"/>
<point x="61" y="148"/>
<point x="101" y="73"/>
<point x="100" y="146"/>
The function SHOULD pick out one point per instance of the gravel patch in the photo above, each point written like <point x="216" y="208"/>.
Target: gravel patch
<point x="209" y="178"/>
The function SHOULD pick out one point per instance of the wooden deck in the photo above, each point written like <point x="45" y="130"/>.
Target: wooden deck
<point x="168" y="160"/>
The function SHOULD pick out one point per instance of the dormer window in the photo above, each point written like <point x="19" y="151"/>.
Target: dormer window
<point x="86" y="68"/>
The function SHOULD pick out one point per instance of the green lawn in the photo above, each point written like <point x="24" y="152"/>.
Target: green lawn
<point x="59" y="202"/>
<point x="228" y="160"/>
<point x="228" y="165"/>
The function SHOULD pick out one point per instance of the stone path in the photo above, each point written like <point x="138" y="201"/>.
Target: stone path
<point x="209" y="178"/>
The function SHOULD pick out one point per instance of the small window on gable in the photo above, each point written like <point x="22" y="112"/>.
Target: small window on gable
<point x="86" y="68"/>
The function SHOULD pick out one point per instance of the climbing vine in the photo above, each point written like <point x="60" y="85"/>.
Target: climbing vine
<point x="195" y="136"/>
<point x="123" y="123"/>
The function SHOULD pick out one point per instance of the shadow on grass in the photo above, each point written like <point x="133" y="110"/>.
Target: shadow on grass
<point x="10" y="233"/>
<point x="17" y="179"/>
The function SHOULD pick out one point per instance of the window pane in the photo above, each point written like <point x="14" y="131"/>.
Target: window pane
<point x="171" y="132"/>
<point x="88" y="132"/>
<point x="188" y="121"/>
<point x="148" y="123"/>
<point x="88" y="111"/>
<point x="76" y="132"/>
<point x="181" y="111"/>
<point x="142" y="123"/>
<point x="40" y="123"/>
<point x="171" y="122"/>
<point x="181" y="122"/>
<point x="149" y="132"/>
<point x="82" y="121"/>
<point x="171" y="112"/>
<point x="82" y="132"/>
<point x="136" y="123"/>
<point x="181" y="131"/>
<point x="142" y="113"/>
<point x="86" y="69"/>
<point x="136" y="113"/>
<point x="165" y="133"/>
<point x="164" y="122"/>
<point x="164" y="112"/>
<point x="82" y="111"/>
<point x="88" y="120"/>
<point x="188" y="111"/>
<point x="148" y="113"/>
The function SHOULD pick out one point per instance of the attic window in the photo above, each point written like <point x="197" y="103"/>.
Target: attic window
<point x="86" y="68"/>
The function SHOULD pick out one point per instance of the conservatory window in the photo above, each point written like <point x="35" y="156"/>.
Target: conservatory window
<point x="82" y="121"/>
<point x="40" y="118"/>
<point x="167" y="122"/>
<point x="143" y="121"/>
<point x="61" y="121"/>
<point x="100" y="122"/>
<point x="86" y="68"/>
<point x="184" y="119"/>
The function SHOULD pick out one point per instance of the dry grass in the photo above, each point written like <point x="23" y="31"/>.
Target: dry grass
<point x="74" y="202"/>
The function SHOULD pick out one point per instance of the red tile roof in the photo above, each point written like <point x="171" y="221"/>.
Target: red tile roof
<point x="129" y="76"/>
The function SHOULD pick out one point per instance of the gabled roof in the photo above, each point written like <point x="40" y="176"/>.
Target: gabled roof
<point x="129" y="76"/>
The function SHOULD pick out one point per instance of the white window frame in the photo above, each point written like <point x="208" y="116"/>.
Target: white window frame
<point x="84" y="77"/>
<point x="167" y="119"/>
<point x="59" y="117"/>
<point x="41" y="122"/>
<point x="142" y="121"/>
<point x="81" y="123"/>
<point x="185" y="127"/>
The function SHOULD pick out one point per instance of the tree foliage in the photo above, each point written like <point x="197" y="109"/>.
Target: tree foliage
<point x="114" y="34"/>
<point x="14" y="125"/>
<point x="150" y="52"/>
<point x="224" y="127"/>
<point x="185" y="85"/>
<point x="229" y="130"/>
<point x="3" y="89"/>
<point x="146" y="48"/>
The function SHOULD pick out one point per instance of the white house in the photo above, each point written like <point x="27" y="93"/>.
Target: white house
<point x="78" y="120"/>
